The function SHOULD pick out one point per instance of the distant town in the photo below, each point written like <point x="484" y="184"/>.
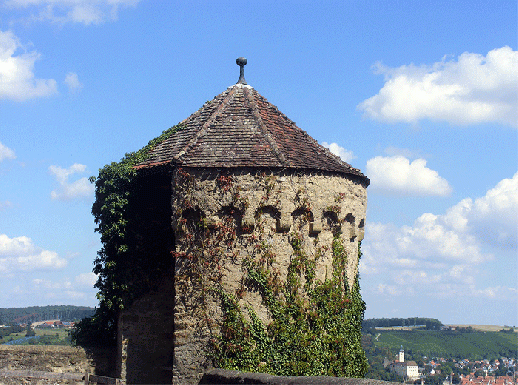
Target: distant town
<point x="464" y="372"/>
<point x="425" y="351"/>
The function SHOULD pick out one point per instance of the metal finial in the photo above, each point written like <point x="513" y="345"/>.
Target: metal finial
<point x="241" y="62"/>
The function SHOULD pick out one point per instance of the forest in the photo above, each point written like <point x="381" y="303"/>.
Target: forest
<point x="423" y="323"/>
<point x="67" y="313"/>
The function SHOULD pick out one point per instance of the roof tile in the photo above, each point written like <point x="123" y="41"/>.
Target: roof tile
<point x="240" y="128"/>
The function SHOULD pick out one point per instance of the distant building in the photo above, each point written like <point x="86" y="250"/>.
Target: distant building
<point x="488" y="380"/>
<point x="48" y="324"/>
<point x="406" y="369"/>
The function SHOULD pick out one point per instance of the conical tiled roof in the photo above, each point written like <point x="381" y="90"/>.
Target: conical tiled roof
<point x="240" y="128"/>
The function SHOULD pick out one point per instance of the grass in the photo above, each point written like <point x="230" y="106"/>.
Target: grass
<point x="46" y="337"/>
<point x="12" y="337"/>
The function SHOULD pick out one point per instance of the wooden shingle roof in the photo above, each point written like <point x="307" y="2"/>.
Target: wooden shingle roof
<point x="240" y="128"/>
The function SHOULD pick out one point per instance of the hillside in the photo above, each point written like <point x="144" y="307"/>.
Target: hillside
<point x="42" y="313"/>
<point x="450" y="343"/>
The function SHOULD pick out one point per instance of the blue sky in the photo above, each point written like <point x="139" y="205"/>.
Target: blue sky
<point x="421" y="96"/>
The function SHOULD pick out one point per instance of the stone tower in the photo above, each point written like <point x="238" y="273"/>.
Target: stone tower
<point x="242" y="185"/>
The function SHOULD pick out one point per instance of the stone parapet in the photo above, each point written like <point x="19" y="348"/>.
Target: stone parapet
<point x="220" y="376"/>
<point x="57" y="359"/>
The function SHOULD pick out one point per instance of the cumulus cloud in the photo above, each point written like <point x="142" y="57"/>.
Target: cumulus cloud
<point x="430" y="243"/>
<point x="73" y="83"/>
<point x="86" y="279"/>
<point x="6" y="152"/>
<point x="72" y="11"/>
<point x="493" y="217"/>
<point x="391" y="290"/>
<point x="81" y="188"/>
<point x="441" y="253"/>
<point x="338" y="150"/>
<point x="65" y="290"/>
<point x="473" y="89"/>
<point x="397" y="174"/>
<point x="83" y="280"/>
<point x="20" y="253"/>
<point x="17" y="79"/>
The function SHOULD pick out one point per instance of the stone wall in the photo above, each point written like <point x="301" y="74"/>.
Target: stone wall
<point x="239" y="210"/>
<point x="53" y="359"/>
<point x="219" y="376"/>
<point x="66" y="359"/>
<point x="264" y="207"/>
<point x="270" y="204"/>
<point x="58" y="359"/>
<point x="146" y="338"/>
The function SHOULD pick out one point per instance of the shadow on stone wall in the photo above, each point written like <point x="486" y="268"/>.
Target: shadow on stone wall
<point x="146" y="338"/>
<point x="149" y="367"/>
<point x="102" y="360"/>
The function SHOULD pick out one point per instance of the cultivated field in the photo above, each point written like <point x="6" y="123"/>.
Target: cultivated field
<point x="484" y="328"/>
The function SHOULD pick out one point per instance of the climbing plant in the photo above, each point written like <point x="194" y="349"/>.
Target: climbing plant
<point x="314" y="327"/>
<point x="121" y="278"/>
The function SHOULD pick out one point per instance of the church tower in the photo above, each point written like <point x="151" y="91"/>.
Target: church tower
<point x="401" y="355"/>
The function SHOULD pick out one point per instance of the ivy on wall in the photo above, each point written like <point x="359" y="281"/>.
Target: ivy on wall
<point x="314" y="326"/>
<point x="117" y="263"/>
<point x="314" y="329"/>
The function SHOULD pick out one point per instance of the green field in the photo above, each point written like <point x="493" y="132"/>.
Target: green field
<point x="451" y="344"/>
<point x="46" y="337"/>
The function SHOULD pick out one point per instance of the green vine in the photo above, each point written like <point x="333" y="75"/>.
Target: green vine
<point x="314" y="328"/>
<point x="116" y="264"/>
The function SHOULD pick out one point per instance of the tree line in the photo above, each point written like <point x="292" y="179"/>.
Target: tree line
<point x="67" y="313"/>
<point x="426" y="323"/>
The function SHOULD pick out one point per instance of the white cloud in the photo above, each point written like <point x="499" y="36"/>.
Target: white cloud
<point x="20" y="253"/>
<point x="80" y="188"/>
<point x="6" y="152"/>
<point x="86" y="280"/>
<point x="40" y="283"/>
<point x="17" y="80"/>
<point x="473" y="89"/>
<point x="398" y="175"/>
<point x="79" y="290"/>
<point x="338" y="150"/>
<point x="493" y="217"/>
<point x="72" y="82"/>
<point x="72" y="11"/>
<point x="440" y="254"/>
<point x="83" y="280"/>
<point x="391" y="290"/>
<point x="429" y="243"/>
